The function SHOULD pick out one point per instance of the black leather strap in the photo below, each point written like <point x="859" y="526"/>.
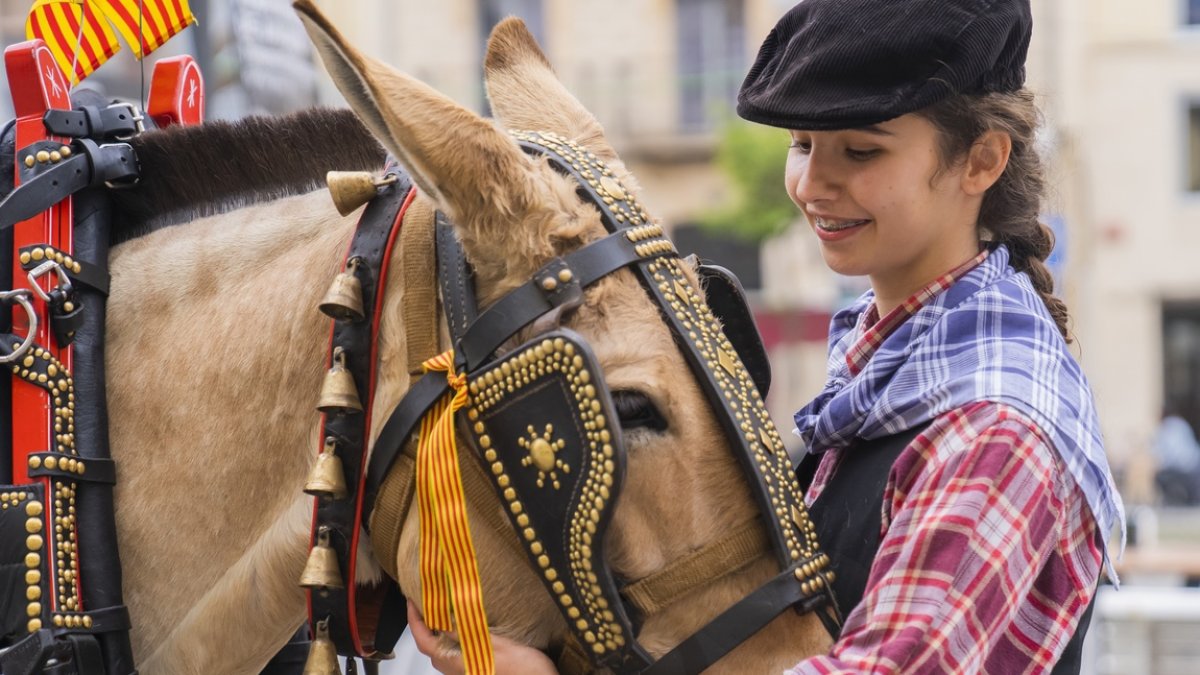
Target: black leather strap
<point x="93" y="275"/>
<point x="456" y="280"/>
<point x="95" y="470"/>
<point x="106" y="620"/>
<point x="731" y="628"/>
<point x="531" y="300"/>
<point x="341" y="515"/>
<point x="120" y="120"/>
<point x="396" y="431"/>
<point x="45" y="185"/>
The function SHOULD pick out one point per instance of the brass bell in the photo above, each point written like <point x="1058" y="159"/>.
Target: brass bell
<point x="322" y="654"/>
<point x="352" y="189"/>
<point x="321" y="570"/>
<point x="338" y="393"/>
<point x="343" y="301"/>
<point x="326" y="478"/>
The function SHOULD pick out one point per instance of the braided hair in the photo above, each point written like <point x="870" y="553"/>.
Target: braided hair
<point x="1011" y="207"/>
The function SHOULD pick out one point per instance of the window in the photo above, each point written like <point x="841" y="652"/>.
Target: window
<point x="711" y="45"/>
<point x="1193" y="147"/>
<point x="1181" y="360"/>
<point x="1192" y="12"/>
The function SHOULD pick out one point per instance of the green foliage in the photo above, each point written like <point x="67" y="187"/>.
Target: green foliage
<point x="752" y="157"/>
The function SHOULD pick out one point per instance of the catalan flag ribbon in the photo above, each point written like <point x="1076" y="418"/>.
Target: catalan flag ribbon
<point x="449" y="570"/>
<point x="80" y="33"/>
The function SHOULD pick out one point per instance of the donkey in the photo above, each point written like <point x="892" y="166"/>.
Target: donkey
<point x="215" y="356"/>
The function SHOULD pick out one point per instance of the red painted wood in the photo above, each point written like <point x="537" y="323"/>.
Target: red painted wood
<point x="176" y="92"/>
<point x="37" y="85"/>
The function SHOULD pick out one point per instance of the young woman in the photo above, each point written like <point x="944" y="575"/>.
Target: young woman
<point x="954" y="424"/>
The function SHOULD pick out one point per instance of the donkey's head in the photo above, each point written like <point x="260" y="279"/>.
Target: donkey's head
<point x="513" y="212"/>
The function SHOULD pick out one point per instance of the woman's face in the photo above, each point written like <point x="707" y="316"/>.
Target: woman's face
<point x="877" y="202"/>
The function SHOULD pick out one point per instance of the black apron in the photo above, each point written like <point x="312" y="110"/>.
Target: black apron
<point x="848" y="515"/>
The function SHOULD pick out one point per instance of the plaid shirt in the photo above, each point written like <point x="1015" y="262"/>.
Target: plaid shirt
<point x="988" y="552"/>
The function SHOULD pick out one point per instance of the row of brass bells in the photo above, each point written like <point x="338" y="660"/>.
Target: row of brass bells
<point x="326" y="479"/>
<point x="321" y="570"/>
<point x="322" y="654"/>
<point x="339" y="395"/>
<point x="352" y="189"/>
<point x="344" y="299"/>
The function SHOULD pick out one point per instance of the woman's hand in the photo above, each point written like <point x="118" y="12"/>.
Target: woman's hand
<point x="511" y="657"/>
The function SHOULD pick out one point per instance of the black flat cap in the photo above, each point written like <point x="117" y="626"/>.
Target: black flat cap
<point x="839" y="64"/>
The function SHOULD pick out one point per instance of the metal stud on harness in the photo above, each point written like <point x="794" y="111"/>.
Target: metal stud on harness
<point x="57" y="524"/>
<point x="540" y="420"/>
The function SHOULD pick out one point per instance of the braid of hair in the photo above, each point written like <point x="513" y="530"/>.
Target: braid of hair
<point x="1010" y="209"/>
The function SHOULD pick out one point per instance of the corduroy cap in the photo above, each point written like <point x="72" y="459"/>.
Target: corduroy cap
<point x="839" y="64"/>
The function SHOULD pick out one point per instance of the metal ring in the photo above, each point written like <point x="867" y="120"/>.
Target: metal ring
<point x="21" y="297"/>
<point x="64" y="281"/>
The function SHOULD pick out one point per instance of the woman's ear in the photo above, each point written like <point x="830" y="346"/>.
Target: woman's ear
<point x="986" y="161"/>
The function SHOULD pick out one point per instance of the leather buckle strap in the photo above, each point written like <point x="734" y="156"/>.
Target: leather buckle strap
<point x="44" y="185"/>
<point x="93" y="275"/>
<point x="552" y="286"/>
<point x="72" y="467"/>
<point x="118" y="121"/>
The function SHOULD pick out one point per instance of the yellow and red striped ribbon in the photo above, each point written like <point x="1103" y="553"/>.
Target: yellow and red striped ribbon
<point x="449" y="571"/>
<point x="58" y="23"/>
<point x="159" y="20"/>
<point x="79" y="34"/>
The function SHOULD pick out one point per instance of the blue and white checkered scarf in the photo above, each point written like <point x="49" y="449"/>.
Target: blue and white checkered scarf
<point x="986" y="338"/>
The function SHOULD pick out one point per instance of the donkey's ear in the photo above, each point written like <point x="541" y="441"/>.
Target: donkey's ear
<point x="460" y="159"/>
<point x="526" y="94"/>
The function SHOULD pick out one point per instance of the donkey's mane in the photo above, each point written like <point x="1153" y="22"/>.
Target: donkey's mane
<point x="216" y="167"/>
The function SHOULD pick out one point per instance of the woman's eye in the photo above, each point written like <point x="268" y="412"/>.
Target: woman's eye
<point x="861" y="155"/>
<point x="803" y="146"/>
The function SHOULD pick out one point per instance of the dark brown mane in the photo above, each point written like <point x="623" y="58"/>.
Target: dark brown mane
<point x="190" y="172"/>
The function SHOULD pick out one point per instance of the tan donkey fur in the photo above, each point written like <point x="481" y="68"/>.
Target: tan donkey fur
<point x="216" y="355"/>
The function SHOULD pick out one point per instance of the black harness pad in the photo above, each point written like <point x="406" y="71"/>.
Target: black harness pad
<point x="727" y="300"/>
<point x="546" y="427"/>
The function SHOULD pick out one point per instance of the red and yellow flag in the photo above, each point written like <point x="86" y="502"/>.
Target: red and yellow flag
<point x="79" y="34"/>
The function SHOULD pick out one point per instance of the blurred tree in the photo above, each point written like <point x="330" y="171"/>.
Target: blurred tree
<point x="752" y="157"/>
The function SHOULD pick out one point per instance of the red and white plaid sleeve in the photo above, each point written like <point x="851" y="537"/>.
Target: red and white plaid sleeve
<point x="988" y="555"/>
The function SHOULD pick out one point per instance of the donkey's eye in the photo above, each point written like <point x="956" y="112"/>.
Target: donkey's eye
<point x="637" y="411"/>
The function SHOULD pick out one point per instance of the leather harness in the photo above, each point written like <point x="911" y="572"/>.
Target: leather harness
<point x="534" y="376"/>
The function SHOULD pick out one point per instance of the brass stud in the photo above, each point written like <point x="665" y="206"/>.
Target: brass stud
<point x="25" y="258"/>
<point x="55" y="156"/>
<point x="34" y="625"/>
<point x="549" y="283"/>
<point x="29" y="161"/>
<point x="565" y="276"/>
<point x="33" y="609"/>
<point x="65" y="150"/>
<point x="43" y="156"/>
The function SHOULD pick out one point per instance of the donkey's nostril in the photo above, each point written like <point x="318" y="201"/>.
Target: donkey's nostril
<point x="637" y="411"/>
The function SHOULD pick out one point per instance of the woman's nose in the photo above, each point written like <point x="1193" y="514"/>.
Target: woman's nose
<point x="817" y="181"/>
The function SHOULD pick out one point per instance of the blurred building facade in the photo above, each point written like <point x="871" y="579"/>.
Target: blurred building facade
<point x="1122" y="85"/>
